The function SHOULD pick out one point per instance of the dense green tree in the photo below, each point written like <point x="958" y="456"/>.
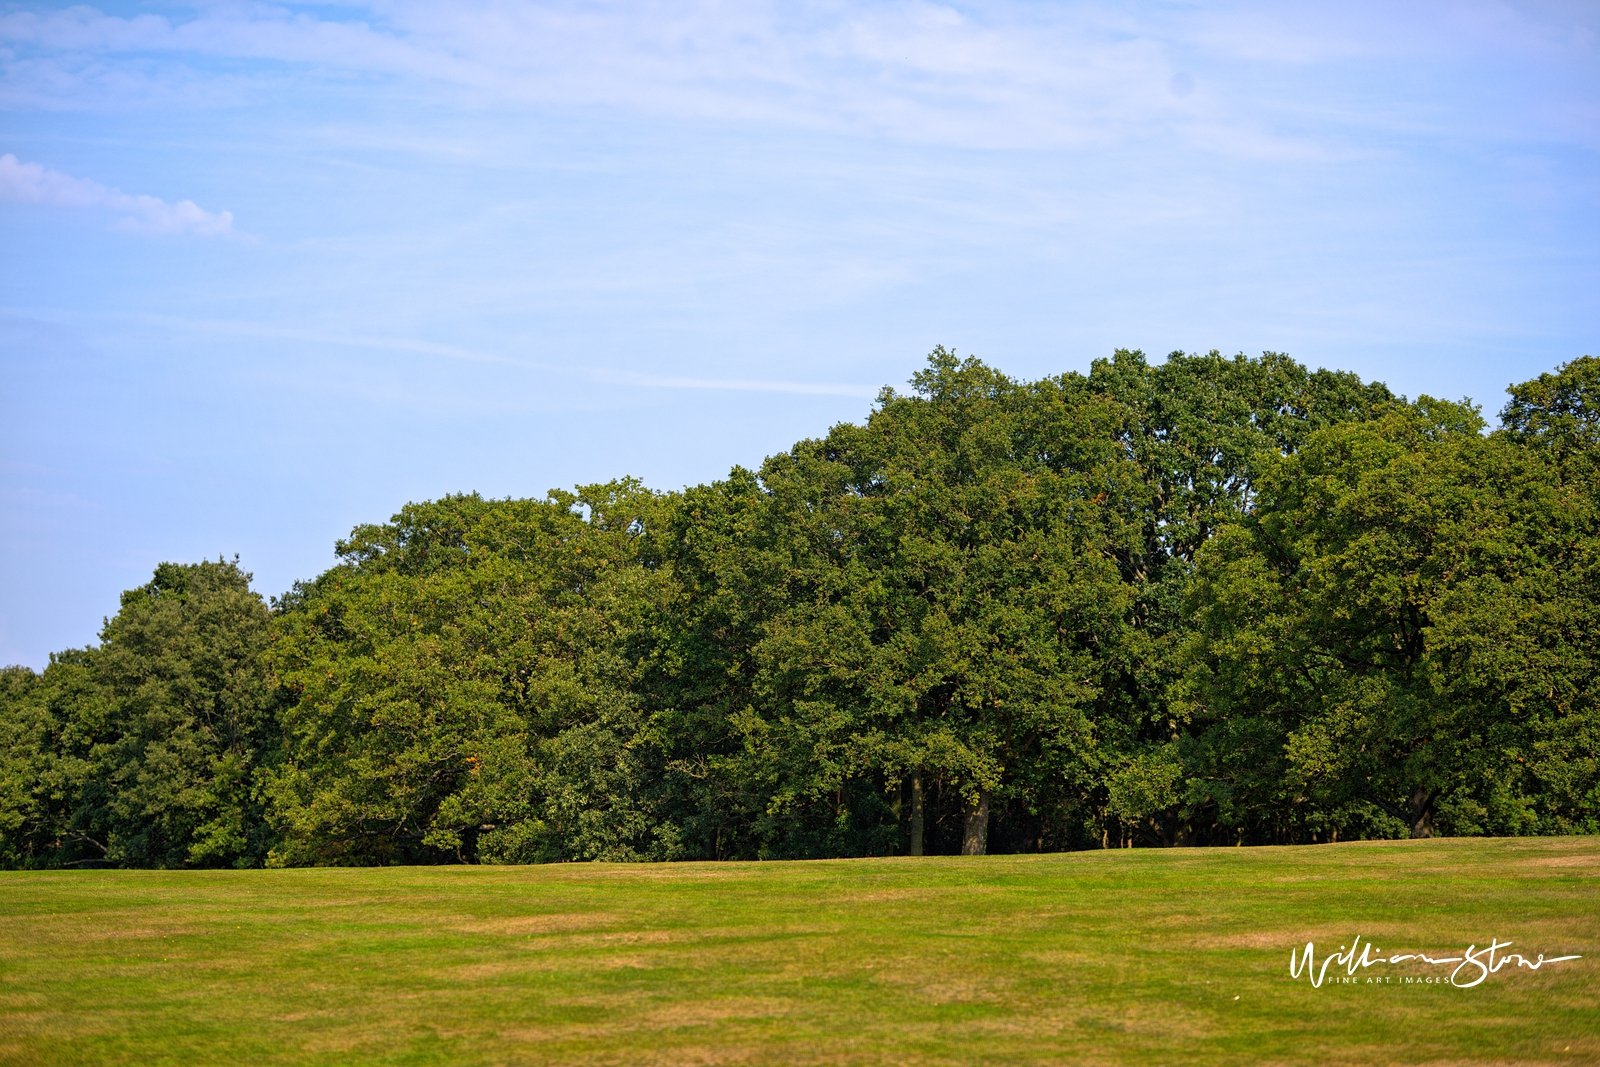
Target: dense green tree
<point x="987" y="526"/>
<point x="1404" y="626"/>
<point x="144" y="751"/>
<point x="461" y="688"/>
<point x="1559" y="411"/>
<point x="893" y="631"/>
<point x="39" y="775"/>
<point x="1198" y="429"/>
<point x="1202" y="601"/>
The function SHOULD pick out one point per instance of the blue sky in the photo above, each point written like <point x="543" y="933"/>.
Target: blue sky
<point x="271" y="270"/>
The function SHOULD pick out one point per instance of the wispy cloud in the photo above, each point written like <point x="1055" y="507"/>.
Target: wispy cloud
<point x="991" y="74"/>
<point x="598" y="375"/>
<point x="975" y="73"/>
<point x="737" y="385"/>
<point x="30" y="183"/>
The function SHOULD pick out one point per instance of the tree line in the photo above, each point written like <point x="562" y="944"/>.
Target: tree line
<point x="1204" y="601"/>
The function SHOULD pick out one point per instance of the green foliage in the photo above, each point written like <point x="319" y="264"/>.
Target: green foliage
<point x="1560" y="409"/>
<point x="145" y="751"/>
<point x="927" y="594"/>
<point x="1211" y="600"/>
<point x="460" y="686"/>
<point x="1406" y="623"/>
<point x="1197" y="430"/>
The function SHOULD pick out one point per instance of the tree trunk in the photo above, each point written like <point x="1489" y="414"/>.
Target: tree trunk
<point x="916" y="813"/>
<point x="975" y="835"/>
<point x="1422" y="812"/>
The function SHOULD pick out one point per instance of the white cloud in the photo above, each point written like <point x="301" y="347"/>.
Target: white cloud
<point x="30" y="183"/>
<point x="968" y="73"/>
<point x="994" y="75"/>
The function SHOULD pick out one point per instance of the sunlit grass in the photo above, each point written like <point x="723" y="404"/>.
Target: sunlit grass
<point x="1159" y="956"/>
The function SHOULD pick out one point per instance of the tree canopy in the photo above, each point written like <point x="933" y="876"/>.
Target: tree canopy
<point x="1207" y="600"/>
<point x="146" y="750"/>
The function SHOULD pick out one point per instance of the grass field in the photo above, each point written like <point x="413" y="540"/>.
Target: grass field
<point x="1163" y="956"/>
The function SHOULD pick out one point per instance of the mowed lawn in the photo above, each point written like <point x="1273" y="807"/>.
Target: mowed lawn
<point x="1162" y="956"/>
